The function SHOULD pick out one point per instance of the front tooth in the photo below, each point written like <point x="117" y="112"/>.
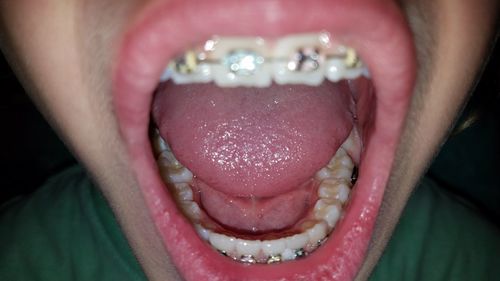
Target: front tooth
<point x="241" y="62"/>
<point x="353" y="73"/>
<point x="248" y="247"/>
<point x="273" y="247"/>
<point x="297" y="241"/>
<point x="335" y="69"/>
<point x="342" y="173"/>
<point x="299" y="59"/>
<point x="222" y="242"/>
<point x="288" y="254"/>
<point x="202" y="232"/>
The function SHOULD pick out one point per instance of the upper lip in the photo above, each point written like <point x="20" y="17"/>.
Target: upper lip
<point x="161" y="29"/>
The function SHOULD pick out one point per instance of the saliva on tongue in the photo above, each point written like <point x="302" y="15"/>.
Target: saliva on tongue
<point x="254" y="151"/>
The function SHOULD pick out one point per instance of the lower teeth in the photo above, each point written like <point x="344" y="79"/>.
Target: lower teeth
<point x="335" y="182"/>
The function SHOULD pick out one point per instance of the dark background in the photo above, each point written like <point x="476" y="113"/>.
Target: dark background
<point x="468" y="164"/>
<point x="30" y="151"/>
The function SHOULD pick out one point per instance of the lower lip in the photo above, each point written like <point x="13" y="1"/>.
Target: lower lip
<point x="338" y="259"/>
<point x="137" y="76"/>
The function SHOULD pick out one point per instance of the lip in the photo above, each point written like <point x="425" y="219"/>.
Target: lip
<point x="161" y="29"/>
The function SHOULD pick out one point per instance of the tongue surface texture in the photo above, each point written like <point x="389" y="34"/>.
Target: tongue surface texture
<point x="250" y="143"/>
<point x="257" y="215"/>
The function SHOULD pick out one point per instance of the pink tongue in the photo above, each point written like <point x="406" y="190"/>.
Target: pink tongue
<point x="253" y="142"/>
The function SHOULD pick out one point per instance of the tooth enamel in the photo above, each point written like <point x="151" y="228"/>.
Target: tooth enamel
<point x="342" y="192"/>
<point x="341" y="158"/>
<point x="159" y="145"/>
<point x="297" y="241"/>
<point x="288" y="254"/>
<point x="181" y="175"/>
<point x="167" y="159"/>
<point x="255" y="62"/>
<point x="303" y="57"/>
<point x="273" y="247"/>
<point x="222" y="242"/>
<point x="320" y="206"/>
<point x="202" y="232"/>
<point x="248" y="247"/>
<point x="317" y="232"/>
<point x="306" y="225"/>
<point x="241" y="62"/>
<point x="334" y="69"/>
<point x="333" y="191"/>
<point x="167" y="74"/>
<point x="183" y="191"/>
<point x="192" y="210"/>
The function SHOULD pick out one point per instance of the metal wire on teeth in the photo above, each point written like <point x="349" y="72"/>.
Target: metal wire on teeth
<point x="244" y="62"/>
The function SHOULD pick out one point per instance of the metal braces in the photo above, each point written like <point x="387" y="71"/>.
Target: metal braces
<point x="245" y="62"/>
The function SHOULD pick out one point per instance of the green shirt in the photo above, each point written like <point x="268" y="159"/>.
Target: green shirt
<point x="66" y="231"/>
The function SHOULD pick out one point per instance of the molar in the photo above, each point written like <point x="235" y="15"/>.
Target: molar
<point x="222" y="242"/>
<point x="334" y="189"/>
<point x="189" y="68"/>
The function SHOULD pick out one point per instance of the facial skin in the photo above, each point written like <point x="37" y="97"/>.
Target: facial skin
<point x="64" y="53"/>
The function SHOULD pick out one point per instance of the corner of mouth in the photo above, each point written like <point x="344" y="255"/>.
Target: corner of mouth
<point x="152" y="42"/>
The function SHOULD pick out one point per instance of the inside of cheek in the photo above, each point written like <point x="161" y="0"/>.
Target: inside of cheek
<point x="197" y="195"/>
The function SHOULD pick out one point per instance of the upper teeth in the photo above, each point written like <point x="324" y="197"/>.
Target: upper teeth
<point x="254" y="62"/>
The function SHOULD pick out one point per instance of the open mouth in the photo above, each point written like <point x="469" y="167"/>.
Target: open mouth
<point x="263" y="146"/>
